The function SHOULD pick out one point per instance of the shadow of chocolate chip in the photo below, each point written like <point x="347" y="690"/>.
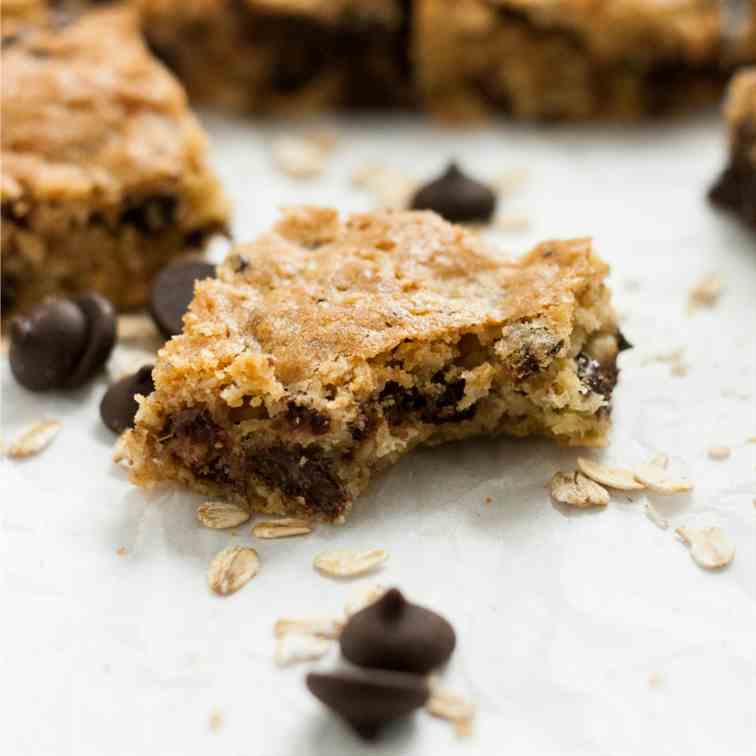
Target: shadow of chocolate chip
<point x="456" y="197"/>
<point x="394" y="634"/>
<point x="371" y="699"/>
<point x="173" y="290"/>
<point x="46" y="344"/>
<point x="118" y="406"/>
<point x="101" y="337"/>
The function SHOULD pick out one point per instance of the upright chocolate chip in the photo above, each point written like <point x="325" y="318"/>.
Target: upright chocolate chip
<point x="622" y="342"/>
<point x="47" y="344"/>
<point x="394" y="634"/>
<point x="369" y="700"/>
<point x="118" y="406"/>
<point x="101" y="337"/>
<point x="456" y="197"/>
<point x="172" y="291"/>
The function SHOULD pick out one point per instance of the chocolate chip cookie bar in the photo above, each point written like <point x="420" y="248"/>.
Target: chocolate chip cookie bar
<point x="284" y="56"/>
<point x="329" y="348"/>
<point x="573" y="59"/>
<point x="736" y="187"/>
<point x="104" y="170"/>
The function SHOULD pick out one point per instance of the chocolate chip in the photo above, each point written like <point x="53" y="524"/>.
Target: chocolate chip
<point x="47" y="343"/>
<point x="622" y="342"/>
<point x="118" y="406"/>
<point x="598" y="378"/>
<point x="456" y="197"/>
<point x="173" y="290"/>
<point x="306" y="418"/>
<point x="151" y="215"/>
<point x="368" y="701"/>
<point x="101" y="337"/>
<point x="395" y="634"/>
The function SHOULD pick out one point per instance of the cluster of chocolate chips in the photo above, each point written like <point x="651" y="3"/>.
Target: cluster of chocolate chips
<point x="456" y="197"/>
<point x="63" y="343"/>
<point x="398" y="644"/>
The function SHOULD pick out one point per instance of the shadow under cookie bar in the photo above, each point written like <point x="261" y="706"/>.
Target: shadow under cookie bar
<point x="104" y="169"/>
<point x="735" y="189"/>
<point x="340" y="346"/>
<point x="568" y="60"/>
<point x="285" y="57"/>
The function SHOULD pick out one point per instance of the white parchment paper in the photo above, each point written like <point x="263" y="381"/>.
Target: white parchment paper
<point x="591" y="633"/>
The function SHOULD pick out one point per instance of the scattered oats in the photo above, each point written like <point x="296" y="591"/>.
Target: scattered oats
<point x="283" y="528"/>
<point x="615" y="477"/>
<point x="675" y="358"/>
<point x="216" y="720"/>
<point x="122" y="551"/>
<point x="653" y="514"/>
<point x="34" y="440"/>
<point x="127" y="360"/>
<point x="322" y="627"/>
<point x="232" y="568"/>
<point x="679" y="369"/>
<point x="389" y="187"/>
<point x="298" y="156"/>
<point x="452" y="708"/>
<point x="577" y="490"/>
<point x="364" y="597"/>
<point x="709" y="546"/>
<point x="139" y="330"/>
<point x="659" y="460"/>
<point x="509" y="181"/>
<point x="656" y="479"/>
<point x="293" y="648"/>
<point x="220" y="515"/>
<point x="349" y="563"/>
<point x="511" y="222"/>
<point x="655" y="680"/>
<point x="719" y="452"/>
<point x="705" y="292"/>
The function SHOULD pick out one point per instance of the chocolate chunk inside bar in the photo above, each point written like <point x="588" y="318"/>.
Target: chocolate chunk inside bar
<point x="329" y="348"/>
<point x="285" y="56"/>
<point x="736" y="187"/>
<point x="567" y="60"/>
<point x="104" y="171"/>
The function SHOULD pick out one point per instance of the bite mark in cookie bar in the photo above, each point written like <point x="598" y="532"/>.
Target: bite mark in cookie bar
<point x="104" y="170"/>
<point x="736" y="188"/>
<point x="567" y="60"/>
<point x="343" y="344"/>
<point x="284" y="55"/>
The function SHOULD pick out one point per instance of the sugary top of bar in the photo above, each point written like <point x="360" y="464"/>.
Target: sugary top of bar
<point x="316" y="298"/>
<point x="87" y="112"/>
<point x="627" y="28"/>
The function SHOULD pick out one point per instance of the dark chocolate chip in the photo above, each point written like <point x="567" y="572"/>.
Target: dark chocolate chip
<point x="47" y="344"/>
<point x="173" y="290"/>
<point x="597" y="377"/>
<point x="151" y="215"/>
<point x="306" y="418"/>
<point x="369" y="700"/>
<point x="118" y="406"/>
<point x="456" y="197"/>
<point x="101" y="337"/>
<point x="622" y="342"/>
<point x="394" y="634"/>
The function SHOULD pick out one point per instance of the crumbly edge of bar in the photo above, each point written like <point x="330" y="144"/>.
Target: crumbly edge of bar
<point x="248" y="63"/>
<point x="313" y="454"/>
<point x="584" y="86"/>
<point x="63" y="248"/>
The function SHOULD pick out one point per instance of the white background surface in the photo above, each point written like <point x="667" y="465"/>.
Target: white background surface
<point x="562" y="619"/>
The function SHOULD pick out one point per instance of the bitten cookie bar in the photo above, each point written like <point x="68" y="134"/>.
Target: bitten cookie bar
<point x="327" y="349"/>
<point x="736" y="187"/>
<point x="284" y="56"/>
<point x="572" y="59"/>
<point x="104" y="173"/>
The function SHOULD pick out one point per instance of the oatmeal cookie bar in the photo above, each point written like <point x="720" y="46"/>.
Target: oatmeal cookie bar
<point x="329" y="348"/>
<point x="284" y="56"/>
<point x="104" y="170"/>
<point x="566" y="59"/>
<point x="736" y="187"/>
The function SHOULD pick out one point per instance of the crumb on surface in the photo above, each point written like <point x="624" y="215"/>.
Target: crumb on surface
<point x="122" y="551"/>
<point x="215" y="721"/>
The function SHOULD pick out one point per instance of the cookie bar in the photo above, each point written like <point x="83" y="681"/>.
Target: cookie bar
<point x="736" y="187"/>
<point x="284" y="56"/>
<point x="104" y="170"/>
<point x="329" y="348"/>
<point x="570" y="59"/>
